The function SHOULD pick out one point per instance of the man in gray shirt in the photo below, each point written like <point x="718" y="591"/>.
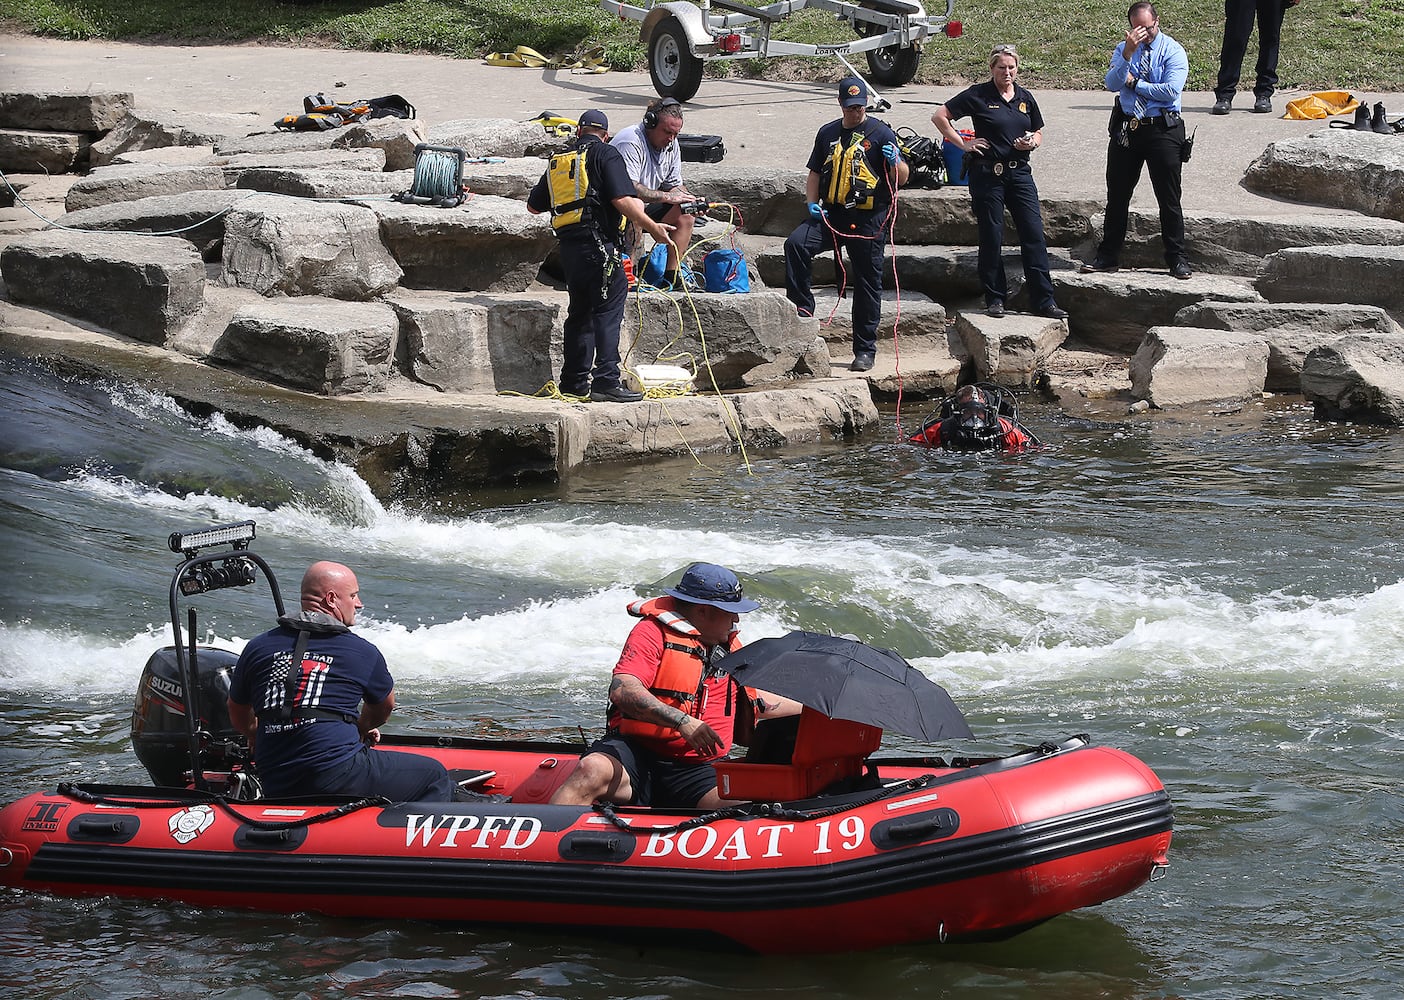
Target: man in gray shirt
<point x="654" y="162"/>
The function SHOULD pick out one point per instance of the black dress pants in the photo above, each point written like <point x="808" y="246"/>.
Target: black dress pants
<point x="990" y="194"/>
<point x="1238" y="25"/>
<point x="1157" y="148"/>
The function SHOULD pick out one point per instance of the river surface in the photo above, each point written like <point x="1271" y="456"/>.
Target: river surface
<point x="1220" y="596"/>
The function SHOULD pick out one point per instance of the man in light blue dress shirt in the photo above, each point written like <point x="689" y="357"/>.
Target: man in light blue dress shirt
<point x="1148" y="72"/>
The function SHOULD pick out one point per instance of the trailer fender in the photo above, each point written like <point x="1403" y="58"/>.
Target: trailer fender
<point x="688" y="14"/>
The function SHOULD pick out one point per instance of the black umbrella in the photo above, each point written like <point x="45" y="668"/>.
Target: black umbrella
<point x="848" y="679"/>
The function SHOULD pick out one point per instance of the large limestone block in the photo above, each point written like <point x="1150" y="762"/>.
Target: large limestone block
<point x="745" y="340"/>
<point x="288" y="246"/>
<point x="709" y="423"/>
<point x="510" y="178"/>
<point x="1011" y="351"/>
<point x="913" y="317"/>
<point x="1180" y="366"/>
<point x="168" y="156"/>
<point x="396" y="136"/>
<point x="487" y="244"/>
<point x="197" y="216"/>
<point x="496" y="137"/>
<point x="1364" y="275"/>
<point x="63" y="111"/>
<point x="1343" y="168"/>
<point x="941" y="272"/>
<point x="25" y="151"/>
<point x="1358" y="377"/>
<point x="1231" y="244"/>
<point x="480" y="343"/>
<point x="128" y="183"/>
<point x="372" y="160"/>
<point x="1291" y="330"/>
<point x="312" y="344"/>
<point x="1113" y="311"/>
<point x="152" y="129"/>
<point x="767" y="202"/>
<point x="305" y="182"/>
<point x="275" y="142"/>
<point x="945" y="216"/>
<point x="142" y="286"/>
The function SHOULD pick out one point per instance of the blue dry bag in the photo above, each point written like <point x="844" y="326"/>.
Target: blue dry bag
<point x="725" y="271"/>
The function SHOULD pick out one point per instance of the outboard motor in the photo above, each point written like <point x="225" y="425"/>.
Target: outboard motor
<point x="180" y="723"/>
<point x="159" y="728"/>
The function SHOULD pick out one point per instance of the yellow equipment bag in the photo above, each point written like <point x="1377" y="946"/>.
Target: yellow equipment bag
<point x="1322" y="104"/>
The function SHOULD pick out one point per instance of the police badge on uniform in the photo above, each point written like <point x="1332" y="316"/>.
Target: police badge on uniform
<point x="1023" y="107"/>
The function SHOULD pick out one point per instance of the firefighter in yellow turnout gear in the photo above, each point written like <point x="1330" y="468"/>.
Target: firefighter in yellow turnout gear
<point x="855" y="169"/>
<point x="589" y="196"/>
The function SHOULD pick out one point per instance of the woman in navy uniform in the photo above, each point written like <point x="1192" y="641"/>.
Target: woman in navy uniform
<point x="1008" y="127"/>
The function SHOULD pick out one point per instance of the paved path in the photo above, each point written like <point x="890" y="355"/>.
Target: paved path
<point x="764" y="123"/>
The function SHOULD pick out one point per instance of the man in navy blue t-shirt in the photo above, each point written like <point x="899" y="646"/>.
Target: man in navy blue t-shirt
<point x="855" y="169"/>
<point x="312" y="729"/>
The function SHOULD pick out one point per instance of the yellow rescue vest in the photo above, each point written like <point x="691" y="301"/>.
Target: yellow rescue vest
<point x="846" y="180"/>
<point x="569" y="182"/>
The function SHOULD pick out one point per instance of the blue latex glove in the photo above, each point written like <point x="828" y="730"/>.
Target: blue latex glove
<point x="889" y="153"/>
<point x="816" y="211"/>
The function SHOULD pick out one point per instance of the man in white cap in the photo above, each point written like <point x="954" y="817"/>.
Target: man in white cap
<point x="671" y="712"/>
<point x="855" y="169"/>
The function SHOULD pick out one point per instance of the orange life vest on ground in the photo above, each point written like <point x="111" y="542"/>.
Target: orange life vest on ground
<point x="680" y="679"/>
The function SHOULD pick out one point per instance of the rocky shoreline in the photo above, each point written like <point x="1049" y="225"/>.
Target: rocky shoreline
<point x="287" y="288"/>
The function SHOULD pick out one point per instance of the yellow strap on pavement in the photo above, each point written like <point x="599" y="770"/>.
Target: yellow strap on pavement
<point x="590" y="61"/>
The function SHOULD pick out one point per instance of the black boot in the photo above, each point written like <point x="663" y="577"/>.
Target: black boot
<point x="1362" y="118"/>
<point x="1377" y="121"/>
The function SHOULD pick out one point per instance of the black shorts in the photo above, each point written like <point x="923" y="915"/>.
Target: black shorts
<point x="656" y="210"/>
<point x="659" y="781"/>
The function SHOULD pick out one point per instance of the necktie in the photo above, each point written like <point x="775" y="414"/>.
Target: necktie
<point x="1142" y="64"/>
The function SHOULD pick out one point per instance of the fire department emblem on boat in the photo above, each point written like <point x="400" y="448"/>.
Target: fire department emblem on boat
<point x="188" y="824"/>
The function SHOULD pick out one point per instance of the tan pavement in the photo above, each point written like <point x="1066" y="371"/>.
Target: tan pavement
<point x="764" y="123"/>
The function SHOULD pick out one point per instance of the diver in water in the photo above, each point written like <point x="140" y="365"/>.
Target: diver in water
<point x="976" y="418"/>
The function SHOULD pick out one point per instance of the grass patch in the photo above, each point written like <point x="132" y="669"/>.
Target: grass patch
<point x="1326" y="44"/>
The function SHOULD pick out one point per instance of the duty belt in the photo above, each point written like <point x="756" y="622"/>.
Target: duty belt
<point x="1000" y="166"/>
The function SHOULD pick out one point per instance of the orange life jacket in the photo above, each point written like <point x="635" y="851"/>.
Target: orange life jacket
<point x="680" y="678"/>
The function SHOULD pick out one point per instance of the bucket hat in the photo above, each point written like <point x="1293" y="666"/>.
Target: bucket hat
<point x="707" y="583"/>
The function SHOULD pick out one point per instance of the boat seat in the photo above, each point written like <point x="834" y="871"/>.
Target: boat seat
<point x="823" y="751"/>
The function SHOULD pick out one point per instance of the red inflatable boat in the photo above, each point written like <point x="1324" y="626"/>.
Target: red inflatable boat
<point x="836" y="850"/>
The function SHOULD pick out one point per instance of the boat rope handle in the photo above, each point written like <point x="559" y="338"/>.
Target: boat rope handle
<point x="762" y="809"/>
<point x="74" y="791"/>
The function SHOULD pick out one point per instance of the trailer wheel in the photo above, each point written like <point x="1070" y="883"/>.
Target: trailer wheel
<point x="675" y="71"/>
<point x="892" y="66"/>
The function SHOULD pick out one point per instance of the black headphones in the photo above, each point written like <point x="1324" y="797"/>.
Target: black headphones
<point x="651" y="116"/>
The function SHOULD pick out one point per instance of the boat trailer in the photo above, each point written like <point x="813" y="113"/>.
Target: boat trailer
<point x="682" y="37"/>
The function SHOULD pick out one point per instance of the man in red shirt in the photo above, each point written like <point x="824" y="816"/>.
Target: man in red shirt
<point x="671" y="712"/>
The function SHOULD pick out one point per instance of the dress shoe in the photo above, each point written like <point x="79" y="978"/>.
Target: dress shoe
<point x="995" y="310"/>
<point x="1051" y="311"/>
<point x="862" y="363"/>
<point x="1362" y="118"/>
<point x="1222" y="106"/>
<point x="1378" y="123"/>
<point x="1180" y="270"/>
<point x="1098" y="266"/>
<point x="578" y="391"/>
<point x="614" y="394"/>
<point x="1262" y="106"/>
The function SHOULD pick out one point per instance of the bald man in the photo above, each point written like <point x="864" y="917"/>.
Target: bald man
<point x="314" y="729"/>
